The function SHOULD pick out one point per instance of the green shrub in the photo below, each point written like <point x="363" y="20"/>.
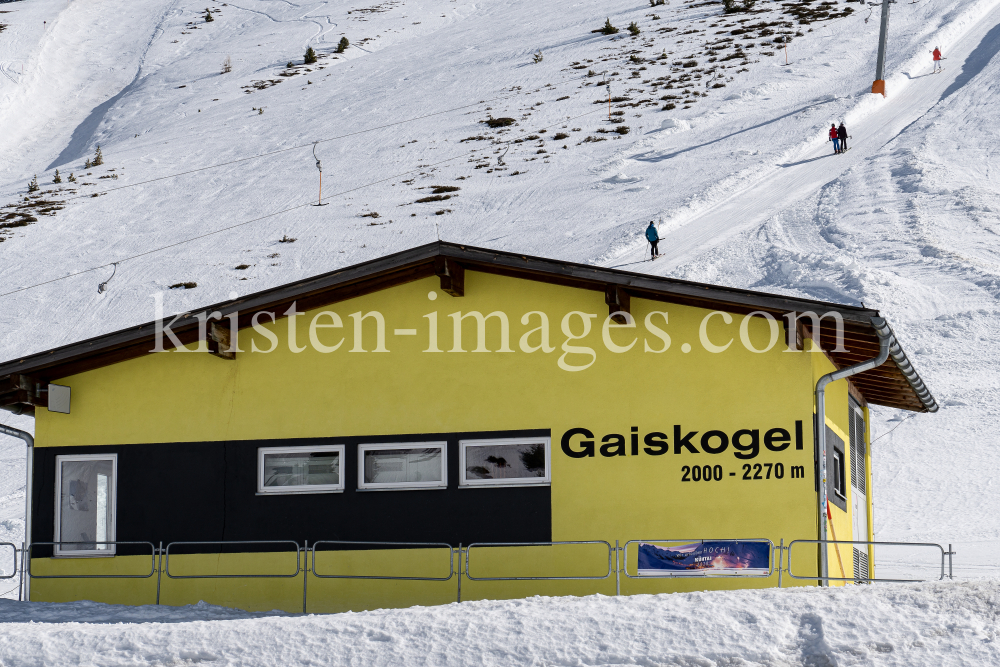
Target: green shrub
<point x="342" y="45"/>
<point x="633" y="28"/>
<point x="608" y="29"/>
<point x="310" y="57"/>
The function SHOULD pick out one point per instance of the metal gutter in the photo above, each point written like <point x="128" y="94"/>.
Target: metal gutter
<point x="886" y="341"/>
<point x="29" y="440"/>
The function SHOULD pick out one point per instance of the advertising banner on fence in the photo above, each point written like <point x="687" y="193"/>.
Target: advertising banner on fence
<point x="701" y="559"/>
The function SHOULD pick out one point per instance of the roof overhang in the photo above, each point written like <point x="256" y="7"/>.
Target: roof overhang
<point x="22" y="380"/>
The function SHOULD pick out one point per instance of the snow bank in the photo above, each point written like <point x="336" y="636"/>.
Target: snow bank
<point x="914" y="625"/>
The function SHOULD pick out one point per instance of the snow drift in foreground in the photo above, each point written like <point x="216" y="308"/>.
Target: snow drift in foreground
<point x="918" y="624"/>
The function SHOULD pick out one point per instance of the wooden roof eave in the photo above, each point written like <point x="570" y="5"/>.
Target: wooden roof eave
<point x="858" y="333"/>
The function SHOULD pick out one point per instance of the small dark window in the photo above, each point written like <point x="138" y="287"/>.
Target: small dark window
<point x="836" y="470"/>
<point x="839" y="474"/>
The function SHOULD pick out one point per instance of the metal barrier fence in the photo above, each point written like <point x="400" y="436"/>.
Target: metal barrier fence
<point x="944" y="555"/>
<point x="398" y="545"/>
<point x="13" y="547"/>
<point x="298" y="560"/>
<point x="468" y="552"/>
<point x="688" y="574"/>
<point x="152" y="569"/>
<point x="160" y="561"/>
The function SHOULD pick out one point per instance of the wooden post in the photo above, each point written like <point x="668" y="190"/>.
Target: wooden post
<point x="219" y="342"/>
<point x="452" y="276"/>
<point x="618" y="302"/>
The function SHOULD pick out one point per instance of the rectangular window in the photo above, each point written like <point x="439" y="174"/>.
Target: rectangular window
<point x="504" y="462"/>
<point x="403" y="466"/>
<point x="315" y="469"/>
<point x="839" y="476"/>
<point x="85" y="504"/>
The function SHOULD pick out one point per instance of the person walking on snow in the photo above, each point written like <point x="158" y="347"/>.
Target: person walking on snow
<point x="842" y="135"/>
<point x="653" y="239"/>
<point x="834" y="138"/>
<point x="937" y="59"/>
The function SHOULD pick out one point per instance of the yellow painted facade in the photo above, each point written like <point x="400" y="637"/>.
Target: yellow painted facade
<point x="194" y="397"/>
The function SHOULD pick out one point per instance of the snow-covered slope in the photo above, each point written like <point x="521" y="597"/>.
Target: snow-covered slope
<point x="740" y="176"/>
<point x="910" y="626"/>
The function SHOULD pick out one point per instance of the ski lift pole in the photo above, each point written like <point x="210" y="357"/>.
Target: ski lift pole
<point x="883" y="34"/>
<point x="607" y="83"/>
<point x="319" y="166"/>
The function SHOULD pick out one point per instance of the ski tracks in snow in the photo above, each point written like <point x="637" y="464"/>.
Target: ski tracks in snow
<point x="749" y="197"/>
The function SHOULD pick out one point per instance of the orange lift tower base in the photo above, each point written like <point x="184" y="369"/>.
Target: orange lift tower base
<point x="879" y="86"/>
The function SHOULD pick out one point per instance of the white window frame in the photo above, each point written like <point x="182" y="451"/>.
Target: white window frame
<point x="402" y="486"/>
<point x="300" y="488"/>
<point x="112" y="501"/>
<point x="465" y="482"/>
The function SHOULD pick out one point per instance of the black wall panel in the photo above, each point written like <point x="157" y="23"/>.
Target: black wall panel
<point x="201" y="491"/>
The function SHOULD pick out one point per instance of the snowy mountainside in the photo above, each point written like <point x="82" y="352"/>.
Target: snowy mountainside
<point x="739" y="174"/>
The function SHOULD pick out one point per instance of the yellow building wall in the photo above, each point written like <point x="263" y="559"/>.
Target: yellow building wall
<point x="184" y="397"/>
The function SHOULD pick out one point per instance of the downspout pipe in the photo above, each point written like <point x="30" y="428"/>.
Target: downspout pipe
<point x="886" y="340"/>
<point x="29" y="440"/>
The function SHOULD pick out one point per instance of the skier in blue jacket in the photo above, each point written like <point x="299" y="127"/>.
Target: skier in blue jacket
<point x="653" y="239"/>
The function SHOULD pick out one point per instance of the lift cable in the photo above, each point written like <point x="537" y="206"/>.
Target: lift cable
<point x="269" y="215"/>
<point x="310" y="144"/>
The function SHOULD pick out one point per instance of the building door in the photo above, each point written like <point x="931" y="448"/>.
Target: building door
<point x="859" y="494"/>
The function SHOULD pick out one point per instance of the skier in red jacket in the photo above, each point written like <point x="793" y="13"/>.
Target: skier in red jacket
<point x="937" y="59"/>
<point x="835" y="138"/>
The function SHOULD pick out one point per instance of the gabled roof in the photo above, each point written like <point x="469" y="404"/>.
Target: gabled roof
<point x="894" y="384"/>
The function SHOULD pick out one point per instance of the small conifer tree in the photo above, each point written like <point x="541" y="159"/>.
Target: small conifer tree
<point x="227" y="65"/>
<point x="608" y="29"/>
<point x="633" y="28"/>
<point x="33" y="185"/>
<point x="98" y="157"/>
<point x="86" y="164"/>
<point x="342" y="46"/>
<point x="310" y="56"/>
<point x="208" y="15"/>
<point x="72" y="178"/>
<point x="58" y="178"/>
<point x="537" y="58"/>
